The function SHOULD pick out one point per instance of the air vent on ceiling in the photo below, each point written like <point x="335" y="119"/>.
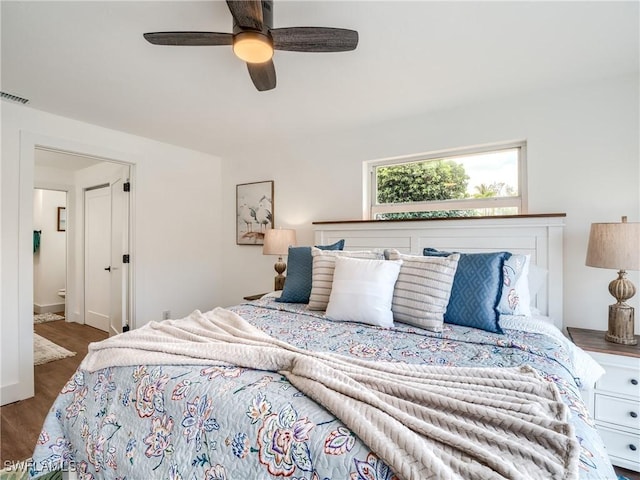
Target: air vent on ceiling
<point x="14" y="98"/>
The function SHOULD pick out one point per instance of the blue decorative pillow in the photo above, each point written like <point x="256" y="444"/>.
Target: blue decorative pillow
<point x="476" y="291"/>
<point x="297" y="286"/>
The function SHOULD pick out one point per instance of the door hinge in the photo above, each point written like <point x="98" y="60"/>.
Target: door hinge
<point x="125" y="258"/>
<point x="126" y="186"/>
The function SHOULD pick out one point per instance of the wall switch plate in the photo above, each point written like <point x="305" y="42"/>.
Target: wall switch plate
<point x="166" y="315"/>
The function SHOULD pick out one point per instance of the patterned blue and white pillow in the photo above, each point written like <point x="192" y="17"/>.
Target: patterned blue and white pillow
<point x="516" y="297"/>
<point x="476" y="291"/>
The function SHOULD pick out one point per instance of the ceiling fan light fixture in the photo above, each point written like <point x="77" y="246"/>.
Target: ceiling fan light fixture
<point x="254" y="39"/>
<point x="253" y="47"/>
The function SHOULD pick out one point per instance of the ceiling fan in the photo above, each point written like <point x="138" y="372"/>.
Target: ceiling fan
<point x="254" y="40"/>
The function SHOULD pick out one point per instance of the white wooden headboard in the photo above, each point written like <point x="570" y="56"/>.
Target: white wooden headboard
<point x="537" y="235"/>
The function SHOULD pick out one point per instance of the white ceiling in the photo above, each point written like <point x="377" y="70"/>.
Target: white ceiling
<point x="62" y="161"/>
<point x="88" y="60"/>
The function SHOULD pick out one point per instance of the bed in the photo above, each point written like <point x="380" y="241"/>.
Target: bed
<point x="197" y="407"/>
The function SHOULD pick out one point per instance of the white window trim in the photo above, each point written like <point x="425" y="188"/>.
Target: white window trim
<point x="370" y="208"/>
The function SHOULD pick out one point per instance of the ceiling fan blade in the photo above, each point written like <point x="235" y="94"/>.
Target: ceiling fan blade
<point x="189" y="38"/>
<point x="247" y="13"/>
<point x="263" y="75"/>
<point x="314" y="39"/>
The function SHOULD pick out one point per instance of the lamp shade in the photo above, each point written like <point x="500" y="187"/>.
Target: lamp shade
<point x="614" y="245"/>
<point x="277" y="241"/>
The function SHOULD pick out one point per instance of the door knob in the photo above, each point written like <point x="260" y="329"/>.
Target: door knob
<point x="108" y="269"/>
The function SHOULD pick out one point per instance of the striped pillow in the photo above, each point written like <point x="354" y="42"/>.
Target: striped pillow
<point x="324" y="264"/>
<point x="423" y="289"/>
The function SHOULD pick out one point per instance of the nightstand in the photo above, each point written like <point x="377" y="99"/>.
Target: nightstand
<point x="614" y="402"/>
<point x="254" y="297"/>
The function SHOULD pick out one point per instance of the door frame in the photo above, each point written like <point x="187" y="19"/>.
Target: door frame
<point x="23" y="386"/>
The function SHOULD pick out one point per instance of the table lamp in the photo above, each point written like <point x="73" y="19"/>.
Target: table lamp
<point x="277" y="242"/>
<point x="617" y="246"/>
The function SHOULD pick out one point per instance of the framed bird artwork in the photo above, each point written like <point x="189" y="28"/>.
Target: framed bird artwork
<point x="254" y="212"/>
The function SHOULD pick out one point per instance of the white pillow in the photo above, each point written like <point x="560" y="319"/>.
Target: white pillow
<point x="322" y="273"/>
<point x="423" y="289"/>
<point x="362" y="291"/>
<point x="516" y="297"/>
<point x="537" y="279"/>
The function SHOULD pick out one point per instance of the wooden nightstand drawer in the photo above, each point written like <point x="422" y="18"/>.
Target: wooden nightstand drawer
<point x="622" y="445"/>
<point x="623" y="380"/>
<point x="617" y="411"/>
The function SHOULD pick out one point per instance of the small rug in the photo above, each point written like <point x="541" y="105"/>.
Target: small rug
<point x="46" y="351"/>
<point x="46" y="317"/>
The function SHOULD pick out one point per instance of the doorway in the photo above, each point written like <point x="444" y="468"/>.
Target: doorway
<point x="19" y="381"/>
<point x="49" y="254"/>
<point x="97" y="223"/>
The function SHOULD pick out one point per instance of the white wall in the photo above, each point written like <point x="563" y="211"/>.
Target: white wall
<point x="583" y="159"/>
<point x="176" y="246"/>
<point x="49" y="262"/>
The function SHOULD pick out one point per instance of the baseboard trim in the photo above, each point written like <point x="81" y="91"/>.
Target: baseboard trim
<point x="14" y="392"/>
<point x="51" y="308"/>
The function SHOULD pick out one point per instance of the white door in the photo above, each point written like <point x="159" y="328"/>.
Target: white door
<point x="97" y="257"/>
<point x="119" y="247"/>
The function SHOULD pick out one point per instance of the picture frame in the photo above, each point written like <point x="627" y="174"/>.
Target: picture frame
<point x="62" y="219"/>
<point x="254" y="212"/>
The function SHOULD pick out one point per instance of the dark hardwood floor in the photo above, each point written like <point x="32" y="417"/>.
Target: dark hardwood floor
<point x="21" y="422"/>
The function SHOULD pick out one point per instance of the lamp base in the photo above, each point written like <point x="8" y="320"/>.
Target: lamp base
<point x="280" y="267"/>
<point x="621" y="324"/>
<point x="278" y="283"/>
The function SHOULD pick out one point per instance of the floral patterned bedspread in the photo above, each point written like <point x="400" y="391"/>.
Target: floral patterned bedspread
<point x="218" y="422"/>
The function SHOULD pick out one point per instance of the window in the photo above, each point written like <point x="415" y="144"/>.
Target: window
<point x="479" y="181"/>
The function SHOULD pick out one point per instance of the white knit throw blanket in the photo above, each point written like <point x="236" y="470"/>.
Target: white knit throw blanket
<point x="425" y="422"/>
